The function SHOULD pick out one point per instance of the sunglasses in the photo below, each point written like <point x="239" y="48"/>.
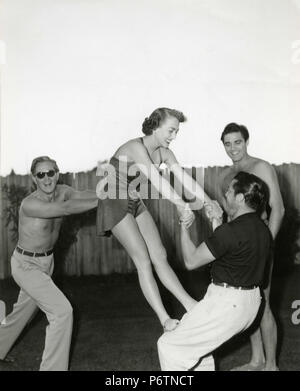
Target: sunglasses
<point x="49" y="174"/>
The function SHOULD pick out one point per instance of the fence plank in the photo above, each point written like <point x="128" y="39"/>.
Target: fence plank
<point x="92" y="254"/>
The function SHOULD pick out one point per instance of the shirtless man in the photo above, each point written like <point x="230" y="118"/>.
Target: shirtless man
<point x="40" y="218"/>
<point x="235" y="139"/>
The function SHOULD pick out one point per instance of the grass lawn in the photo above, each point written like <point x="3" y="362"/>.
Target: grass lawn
<point x="116" y="330"/>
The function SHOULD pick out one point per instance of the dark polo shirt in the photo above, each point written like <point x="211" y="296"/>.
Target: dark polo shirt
<point x="242" y="249"/>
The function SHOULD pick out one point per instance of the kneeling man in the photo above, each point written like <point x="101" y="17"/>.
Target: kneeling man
<point x="239" y="251"/>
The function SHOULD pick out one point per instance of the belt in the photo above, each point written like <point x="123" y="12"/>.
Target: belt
<point x="30" y="254"/>
<point x="243" y="288"/>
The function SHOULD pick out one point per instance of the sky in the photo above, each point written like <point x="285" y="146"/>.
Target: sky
<point x="77" y="78"/>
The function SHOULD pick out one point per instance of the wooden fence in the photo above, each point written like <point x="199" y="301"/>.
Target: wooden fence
<point x="85" y="253"/>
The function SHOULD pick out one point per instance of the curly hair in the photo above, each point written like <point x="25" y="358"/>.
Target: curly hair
<point x="158" y="116"/>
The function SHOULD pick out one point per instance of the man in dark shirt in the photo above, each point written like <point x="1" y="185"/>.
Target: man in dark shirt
<point x="240" y="250"/>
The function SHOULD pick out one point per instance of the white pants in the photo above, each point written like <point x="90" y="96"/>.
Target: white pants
<point x="222" y="313"/>
<point x="33" y="275"/>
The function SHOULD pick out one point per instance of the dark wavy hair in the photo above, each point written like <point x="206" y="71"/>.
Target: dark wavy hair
<point x="158" y="116"/>
<point x="42" y="159"/>
<point x="254" y="189"/>
<point x="234" y="128"/>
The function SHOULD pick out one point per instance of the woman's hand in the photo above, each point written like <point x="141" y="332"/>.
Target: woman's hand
<point x="213" y="210"/>
<point x="170" y="324"/>
<point x="214" y="213"/>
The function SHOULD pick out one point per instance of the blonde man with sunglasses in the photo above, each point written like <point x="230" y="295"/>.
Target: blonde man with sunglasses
<point x="40" y="219"/>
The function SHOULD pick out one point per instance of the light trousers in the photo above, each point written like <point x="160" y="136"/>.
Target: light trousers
<point x="221" y="314"/>
<point x="38" y="291"/>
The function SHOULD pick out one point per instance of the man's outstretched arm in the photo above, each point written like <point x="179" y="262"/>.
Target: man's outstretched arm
<point x="193" y="256"/>
<point x="79" y="194"/>
<point x="41" y="209"/>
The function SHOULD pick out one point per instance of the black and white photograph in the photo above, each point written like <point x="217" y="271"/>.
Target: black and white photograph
<point x="150" y="188"/>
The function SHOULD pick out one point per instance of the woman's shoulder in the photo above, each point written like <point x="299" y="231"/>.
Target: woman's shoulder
<point x="129" y="148"/>
<point x="133" y="142"/>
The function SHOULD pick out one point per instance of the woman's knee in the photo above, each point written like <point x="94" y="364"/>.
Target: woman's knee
<point x="159" y="257"/>
<point x="142" y="262"/>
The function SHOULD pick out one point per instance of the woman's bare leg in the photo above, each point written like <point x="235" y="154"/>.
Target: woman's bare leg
<point x="128" y="234"/>
<point x="158" y="257"/>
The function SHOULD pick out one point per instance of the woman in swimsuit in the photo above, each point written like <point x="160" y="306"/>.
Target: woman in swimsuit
<point x="127" y="217"/>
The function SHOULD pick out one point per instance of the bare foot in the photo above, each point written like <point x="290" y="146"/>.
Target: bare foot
<point x="249" y="367"/>
<point x="270" y="369"/>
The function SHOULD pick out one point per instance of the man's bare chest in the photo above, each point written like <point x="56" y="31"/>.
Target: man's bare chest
<point x="42" y="226"/>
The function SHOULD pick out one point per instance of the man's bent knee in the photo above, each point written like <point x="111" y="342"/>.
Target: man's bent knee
<point x="64" y="311"/>
<point x="161" y="343"/>
<point x="68" y="310"/>
<point x="165" y="339"/>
